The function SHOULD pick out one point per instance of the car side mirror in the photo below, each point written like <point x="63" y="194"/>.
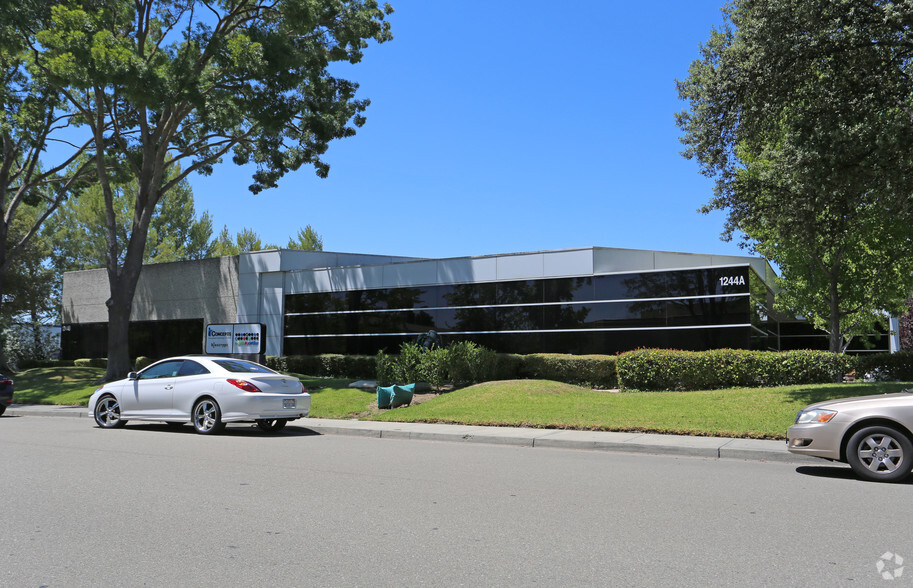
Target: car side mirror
<point x="133" y="376"/>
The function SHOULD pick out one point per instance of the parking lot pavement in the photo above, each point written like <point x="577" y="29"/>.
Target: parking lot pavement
<point x="628" y="442"/>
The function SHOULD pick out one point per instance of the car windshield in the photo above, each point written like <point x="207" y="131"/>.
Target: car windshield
<point x="240" y="366"/>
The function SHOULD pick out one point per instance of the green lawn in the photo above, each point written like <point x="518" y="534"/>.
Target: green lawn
<point x="739" y="412"/>
<point x="763" y="413"/>
<point x="69" y="385"/>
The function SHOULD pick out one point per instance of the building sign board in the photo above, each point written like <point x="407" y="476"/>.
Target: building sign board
<point x="236" y="338"/>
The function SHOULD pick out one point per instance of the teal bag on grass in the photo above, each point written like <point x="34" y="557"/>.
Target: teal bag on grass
<point x="384" y="396"/>
<point x="402" y="395"/>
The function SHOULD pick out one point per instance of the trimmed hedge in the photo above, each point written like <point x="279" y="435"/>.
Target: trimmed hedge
<point x="329" y="365"/>
<point x="886" y="366"/>
<point x="595" y="371"/>
<point x="27" y="364"/>
<point x="665" y="369"/>
<point x="644" y="369"/>
<point x="96" y="362"/>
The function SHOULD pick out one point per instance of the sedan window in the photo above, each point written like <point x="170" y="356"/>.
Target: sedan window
<point x="192" y="368"/>
<point x="166" y="369"/>
<point x="240" y="366"/>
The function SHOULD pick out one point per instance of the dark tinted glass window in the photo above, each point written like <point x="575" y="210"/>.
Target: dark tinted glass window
<point x="165" y="369"/>
<point x="192" y="368"/>
<point x="568" y="289"/>
<point x="626" y="286"/>
<point x="520" y="292"/>
<point x="239" y="366"/>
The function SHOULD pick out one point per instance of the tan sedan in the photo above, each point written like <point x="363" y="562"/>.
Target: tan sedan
<point x="874" y="434"/>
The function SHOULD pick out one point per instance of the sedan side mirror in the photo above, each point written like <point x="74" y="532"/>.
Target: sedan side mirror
<point x="133" y="376"/>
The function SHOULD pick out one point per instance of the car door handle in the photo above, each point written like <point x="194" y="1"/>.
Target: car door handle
<point x="169" y="387"/>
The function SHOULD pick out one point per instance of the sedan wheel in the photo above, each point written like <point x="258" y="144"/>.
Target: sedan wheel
<point x="207" y="418"/>
<point x="271" y="425"/>
<point x="107" y="413"/>
<point x="880" y="454"/>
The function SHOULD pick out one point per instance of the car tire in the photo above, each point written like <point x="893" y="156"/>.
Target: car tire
<point x="207" y="417"/>
<point x="271" y="425"/>
<point x="2" y="409"/>
<point x="880" y="454"/>
<point x="107" y="413"/>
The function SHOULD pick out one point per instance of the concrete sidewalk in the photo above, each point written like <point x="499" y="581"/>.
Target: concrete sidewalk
<point x="716" y="447"/>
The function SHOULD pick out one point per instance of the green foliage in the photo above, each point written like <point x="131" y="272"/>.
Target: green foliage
<point x="329" y="365"/>
<point x="801" y="111"/>
<point x="94" y="362"/>
<point x="597" y="371"/>
<point x="667" y="369"/>
<point x="27" y="364"/>
<point x="459" y="363"/>
<point x="142" y="362"/>
<point x="156" y="84"/>
<point x="24" y="343"/>
<point x="886" y="366"/>
<point x="79" y="230"/>
<point x="247" y="240"/>
<point x="307" y="240"/>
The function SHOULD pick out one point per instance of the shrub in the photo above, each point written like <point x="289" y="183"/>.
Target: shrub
<point x="142" y="362"/>
<point x="887" y="366"/>
<point x="596" y="371"/>
<point x="460" y="363"/>
<point x="330" y="365"/>
<point x="27" y="364"/>
<point x="95" y="362"/>
<point x="668" y="369"/>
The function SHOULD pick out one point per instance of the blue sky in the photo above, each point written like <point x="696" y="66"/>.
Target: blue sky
<point x="497" y="127"/>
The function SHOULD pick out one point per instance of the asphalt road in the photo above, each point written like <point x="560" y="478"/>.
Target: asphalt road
<point x="147" y="506"/>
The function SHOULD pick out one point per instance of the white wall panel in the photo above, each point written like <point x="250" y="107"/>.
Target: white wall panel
<point x="519" y="267"/>
<point x="567" y="263"/>
<point x="664" y="260"/>
<point x="606" y="261"/>
<point x="463" y="270"/>
<point x="410" y="274"/>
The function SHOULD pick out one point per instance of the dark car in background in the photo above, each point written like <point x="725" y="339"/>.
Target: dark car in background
<point x="6" y="393"/>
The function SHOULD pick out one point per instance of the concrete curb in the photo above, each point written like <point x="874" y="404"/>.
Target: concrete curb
<point x="648" y="443"/>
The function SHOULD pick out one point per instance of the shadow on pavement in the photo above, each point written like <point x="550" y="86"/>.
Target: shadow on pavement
<point x="231" y="430"/>
<point x="838" y="473"/>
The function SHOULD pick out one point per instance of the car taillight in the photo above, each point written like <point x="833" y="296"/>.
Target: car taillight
<point x="244" y="385"/>
<point x="304" y="390"/>
<point x="6" y="382"/>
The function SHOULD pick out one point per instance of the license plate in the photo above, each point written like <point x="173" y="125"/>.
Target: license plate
<point x="288" y="403"/>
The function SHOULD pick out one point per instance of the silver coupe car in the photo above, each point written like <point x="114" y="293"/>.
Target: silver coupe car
<point x="874" y="434"/>
<point x="206" y="391"/>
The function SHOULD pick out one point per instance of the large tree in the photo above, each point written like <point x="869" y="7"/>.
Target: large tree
<point x="186" y="82"/>
<point x="78" y="232"/>
<point x="33" y="180"/>
<point x="802" y="112"/>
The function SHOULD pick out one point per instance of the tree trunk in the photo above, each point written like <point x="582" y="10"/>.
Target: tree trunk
<point x="123" y="287"/>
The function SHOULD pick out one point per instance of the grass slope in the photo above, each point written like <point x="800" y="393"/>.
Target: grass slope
<point x="738" y="412"/>
<point x="63" y="385"/>
<point x="763" y="413"/>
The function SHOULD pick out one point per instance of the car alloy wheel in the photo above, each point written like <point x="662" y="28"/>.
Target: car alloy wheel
<point x="271" y="425"/>
<point x="207" y="418"/>
<point x="880" y="454"/>
<point x="107" y="413"/>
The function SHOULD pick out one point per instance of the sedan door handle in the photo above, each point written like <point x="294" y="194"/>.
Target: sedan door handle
<point x="169" y="387"/>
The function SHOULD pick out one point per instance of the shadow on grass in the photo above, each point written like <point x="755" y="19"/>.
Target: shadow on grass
<point x="820" y="393"/>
